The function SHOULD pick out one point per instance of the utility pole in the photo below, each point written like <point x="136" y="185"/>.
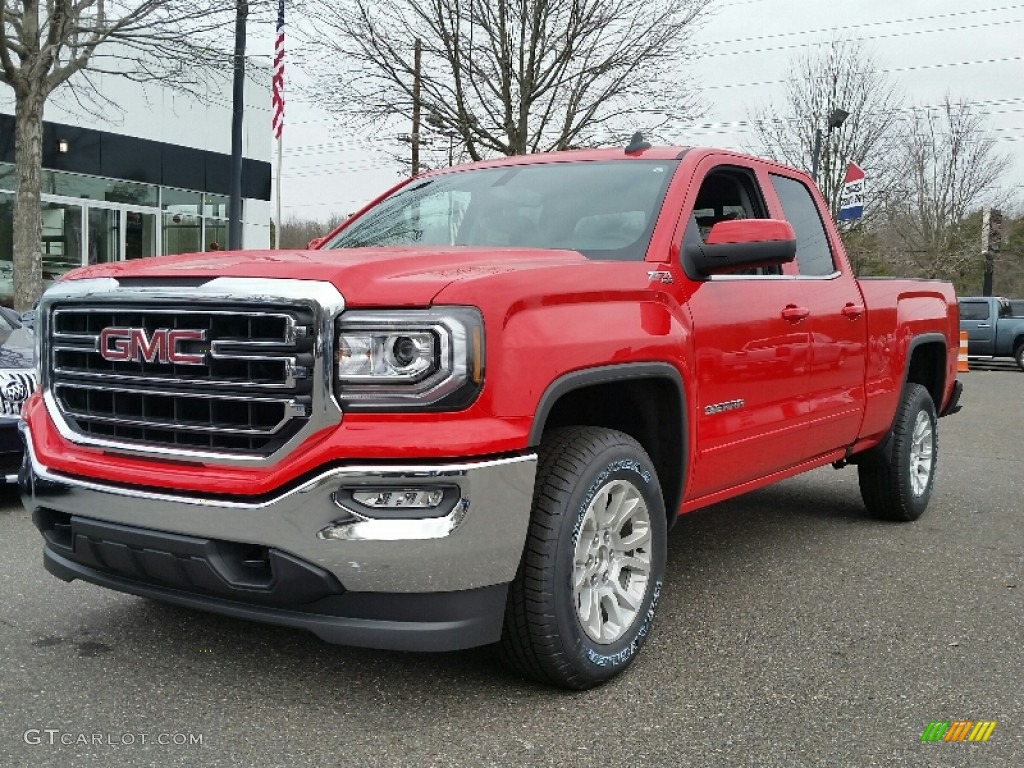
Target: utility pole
<point x="416" y="109"/>
<point x="991" y="244"/>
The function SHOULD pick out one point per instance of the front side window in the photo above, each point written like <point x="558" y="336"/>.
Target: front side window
<point x="813" y="253"/>
<point x="603" y="210"/>
<point x="973" y="310"/>
<point x="727" y="193"/>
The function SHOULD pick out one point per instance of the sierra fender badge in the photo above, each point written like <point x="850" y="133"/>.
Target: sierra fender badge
<point x="728" y="405"/>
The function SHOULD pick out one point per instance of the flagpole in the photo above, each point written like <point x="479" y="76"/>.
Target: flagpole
<point x="277" y="102"/>
<point x="277" y="217"/>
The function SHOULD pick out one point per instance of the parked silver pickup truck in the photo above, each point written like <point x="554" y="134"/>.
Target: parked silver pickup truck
<point x="992" y="330"/>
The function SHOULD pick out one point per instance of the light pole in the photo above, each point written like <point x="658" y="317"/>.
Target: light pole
<point x="836" y="119"/>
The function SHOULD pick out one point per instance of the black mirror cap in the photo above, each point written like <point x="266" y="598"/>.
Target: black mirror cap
<point x="706" y="260"/>
<point x="742" y="244"/>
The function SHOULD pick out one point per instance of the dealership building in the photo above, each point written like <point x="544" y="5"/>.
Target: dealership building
<point x="146" y="177"/>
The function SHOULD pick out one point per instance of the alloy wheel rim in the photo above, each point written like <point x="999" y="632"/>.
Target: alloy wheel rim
<point x="922" y="453"/>
<point x="612" y="564"/>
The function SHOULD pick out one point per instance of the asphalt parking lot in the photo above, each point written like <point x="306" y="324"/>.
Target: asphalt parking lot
<point x="792" y="631"/>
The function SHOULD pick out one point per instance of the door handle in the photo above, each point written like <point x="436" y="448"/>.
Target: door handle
<point x="983" y="325"/>
<point x="853" y="311"/>
<point x="794" y="313"/>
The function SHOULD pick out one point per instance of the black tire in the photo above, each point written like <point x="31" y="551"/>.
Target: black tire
<point x="890" y="487"/>
<point x="544" y="637"/>
<point x="1018" y="355"/>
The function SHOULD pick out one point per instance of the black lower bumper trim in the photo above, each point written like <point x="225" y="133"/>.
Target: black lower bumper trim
<point x="429" y="621"/>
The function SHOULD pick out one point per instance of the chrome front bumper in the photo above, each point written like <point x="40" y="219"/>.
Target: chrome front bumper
<point x="477" y="544"/>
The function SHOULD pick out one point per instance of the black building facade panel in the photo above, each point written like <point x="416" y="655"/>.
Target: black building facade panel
<point x="255" y="180"/>
<point x="99" y="153"/>
<point x="218" y="173"/>
<point x="183" y="168"/>
<point x="83" y="153"/>
<point x="124" y="157"/>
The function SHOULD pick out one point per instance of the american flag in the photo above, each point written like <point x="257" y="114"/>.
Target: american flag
<point x="278" y="93"/>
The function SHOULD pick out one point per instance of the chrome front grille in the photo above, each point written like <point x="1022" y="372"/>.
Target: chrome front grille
<point x="229" y="379"/>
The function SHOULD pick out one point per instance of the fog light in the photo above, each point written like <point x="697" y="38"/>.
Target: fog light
<point x="399" y="498"/>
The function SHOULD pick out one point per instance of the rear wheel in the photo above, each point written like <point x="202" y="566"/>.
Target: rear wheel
<point x="900" y="486"/>
<point x="583" y="601"/>
<point x="1018" y="355"/>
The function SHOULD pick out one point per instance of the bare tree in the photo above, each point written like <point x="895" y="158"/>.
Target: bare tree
<point x="509" y="77"/>
<point x="297" y="232"/>
<point x="60" y="44"/>
<point x="950" y="169"/>
<point x="843" y="76"/>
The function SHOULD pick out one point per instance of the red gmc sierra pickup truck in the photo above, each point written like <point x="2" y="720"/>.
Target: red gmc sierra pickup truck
<point x="471" y="414"/>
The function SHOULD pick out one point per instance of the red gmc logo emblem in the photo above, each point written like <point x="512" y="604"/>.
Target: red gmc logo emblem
<point x="121" y="345"/>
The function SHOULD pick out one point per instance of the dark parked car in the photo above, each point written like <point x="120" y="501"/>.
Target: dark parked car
<point x="992" y="330"/>
<point x="17" y="381"/>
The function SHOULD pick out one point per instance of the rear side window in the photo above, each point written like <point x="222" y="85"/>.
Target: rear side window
<point x="813" y="253"/>
<point x="973" y="310"/>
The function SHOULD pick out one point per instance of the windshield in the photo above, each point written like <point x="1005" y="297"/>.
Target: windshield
<point x="604" y="210"/>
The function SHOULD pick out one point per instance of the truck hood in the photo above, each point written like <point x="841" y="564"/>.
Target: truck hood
<point x="392" y="277"/>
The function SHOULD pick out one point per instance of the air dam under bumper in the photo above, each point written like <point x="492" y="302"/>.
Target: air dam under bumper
<point x="433" y="583"/>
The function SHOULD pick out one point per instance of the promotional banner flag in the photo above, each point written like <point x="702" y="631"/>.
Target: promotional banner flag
<point x="851" y="202"/>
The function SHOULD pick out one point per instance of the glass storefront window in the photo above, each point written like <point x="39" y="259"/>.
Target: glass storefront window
<point x="140" y="235"/>
<point x="6" y="248"/>
<point x="62" y="240"/>
<point x="104" y="235"/>
<point x="7" y="177"/>
<point x="215" y="215"/>
<point x="215" y="206"/>
<point x="182" y="220"/>
<point x="181" y="233"/>
<point x="166" y="221"/>
<point x="95" y="188"/>
<point x="216" y="235"/>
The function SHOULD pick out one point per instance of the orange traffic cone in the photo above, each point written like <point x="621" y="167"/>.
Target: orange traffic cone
<point x="961" y="360"/>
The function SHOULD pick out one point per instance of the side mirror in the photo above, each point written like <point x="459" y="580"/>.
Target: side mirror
<point x="741" y="243"/>
<point x="315" y="243"/>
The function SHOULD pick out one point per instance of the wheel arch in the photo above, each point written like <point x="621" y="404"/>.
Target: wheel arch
<point x="645" y="400"/>
<point x="926" y="365"/>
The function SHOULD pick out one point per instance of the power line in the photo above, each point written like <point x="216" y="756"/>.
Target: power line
<point x="904" y="33"/>
<point x="933" y="17"/>
<point x="884" y="70"/>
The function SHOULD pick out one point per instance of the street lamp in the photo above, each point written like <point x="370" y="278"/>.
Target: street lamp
<point x="836" y="119"/>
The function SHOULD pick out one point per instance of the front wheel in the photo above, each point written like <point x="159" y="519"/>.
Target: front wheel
<point x="1018" y="355"/>
<point x="899" y="487"/>
<point x="584" y="598"/>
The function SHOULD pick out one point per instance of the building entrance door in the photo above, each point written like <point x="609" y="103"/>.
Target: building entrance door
<point x="121" y="233"/>
<point x="104" y="236"/>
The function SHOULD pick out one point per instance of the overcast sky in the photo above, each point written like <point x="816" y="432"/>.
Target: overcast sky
<point x="968" y="48"/>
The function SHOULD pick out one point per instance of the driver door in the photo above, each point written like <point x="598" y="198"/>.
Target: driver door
<point x="752" y="349"/>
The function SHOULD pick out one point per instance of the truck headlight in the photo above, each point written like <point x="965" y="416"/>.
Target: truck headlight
<point x="409" y="359"/>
